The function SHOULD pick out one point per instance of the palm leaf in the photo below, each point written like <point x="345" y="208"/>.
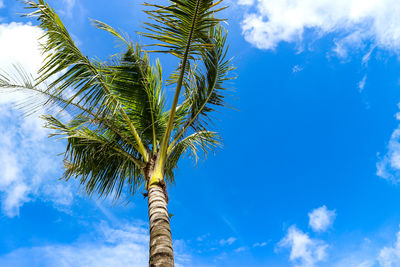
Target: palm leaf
<point x="182" y="28"/>
<point x="181" y="23"/>
<point x="202" y="141"/>
<point x="98" y="158"/>
<point x="118" y="126"/>
<point x="75" y="71"/>
<point x="205" y="89"/>
<point x="138" y="86"/>
<point x="32" y="98"/>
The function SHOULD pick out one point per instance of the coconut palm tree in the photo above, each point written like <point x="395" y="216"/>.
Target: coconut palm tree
<point x="120" y="137"/>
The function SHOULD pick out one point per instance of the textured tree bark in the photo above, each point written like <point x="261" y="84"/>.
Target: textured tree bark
<point x="161" y="251"/>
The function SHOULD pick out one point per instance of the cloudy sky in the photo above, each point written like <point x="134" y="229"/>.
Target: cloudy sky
<point x="316" y="184"/>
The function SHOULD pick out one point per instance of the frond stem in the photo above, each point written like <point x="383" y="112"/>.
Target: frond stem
<point x="95" y="117"/>
<point x="166" y="137"/>
<point x="142" y="150"/>
<point x="44" y="11"/>
<point x="183" y="130"/>
<point x="138" y="162"/>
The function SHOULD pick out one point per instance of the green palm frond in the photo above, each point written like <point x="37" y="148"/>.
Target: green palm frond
<point x="33" y="98"/>
<point x="117" y="126"/>
<point x="202" y="141"/>
<point x="103" y="26"/>
<point x="182" y="28"/>
<point x="103" y="164"/>
<point x="181" y="23"/>
<point x="62" y="55"/>
<point x="75" y="71"/>
<point x="138" y="86"/>
<point x="205" y="89"/>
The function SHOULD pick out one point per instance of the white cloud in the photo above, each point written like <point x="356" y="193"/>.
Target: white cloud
<point x="246" y="2"/>
<point x="202" y="237"/>
<point x="361" y="84"/>
<point x="389" y="166"/>
<point x="228" y="241"/>
<point x="297" y="68"/>
<point x="122" y="246"/>
<point x="181" y="255"/>
<point x="354" y="262"/>
<point x="19" y="45"/>
<point x="1" y="3"/>
<point x="258" y="244"/>
<point x="367" y="56"/>
<point x="241" y="249"/>
<point x="354" y="22"/>
<point x="368" y="252"/>
<point x="321" y="218"/>
<point x="69" y="6"/>
<point x="384" y="256"/>
<point x="390" y="256"/>
<point x="30" y="167"/>
<point x="304" y="251"/>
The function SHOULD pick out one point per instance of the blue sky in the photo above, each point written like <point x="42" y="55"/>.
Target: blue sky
<point x="311" y="160"/>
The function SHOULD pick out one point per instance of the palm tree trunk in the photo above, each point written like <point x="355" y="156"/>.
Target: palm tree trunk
<point x="161" y="252"/>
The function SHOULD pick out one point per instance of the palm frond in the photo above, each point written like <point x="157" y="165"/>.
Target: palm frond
<point x="62" y="55"/>
<point x="138" y="86"/>
<point x="102" y="164"/>
<point x="205" y="89"/>
<point x="202" y="141"/>
<point x="118" y="126"/>
<point x="181" y="23"/>
<point x="103" y="26"/>
<point x="32" y="98"/>
<point x="74" y="70"/>
<point x="181" y="27"/>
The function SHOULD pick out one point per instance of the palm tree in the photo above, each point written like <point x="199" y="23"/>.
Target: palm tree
<point x="120" y="137"/>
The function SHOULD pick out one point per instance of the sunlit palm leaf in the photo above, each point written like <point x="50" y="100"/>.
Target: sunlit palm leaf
<point x="75" y="71"/>
<point x="103" y="164"/>
<point x="138" y="86"/>
<point x="117" y="118"/>
<point x="181" y="23"/>
<point x="202" y="141"/>
<point x="206" y="86"/>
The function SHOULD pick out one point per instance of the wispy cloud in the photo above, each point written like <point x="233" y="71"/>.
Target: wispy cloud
<point x="388" y="167"/>
<point x="260" y="244"/>
<point x="354" y="22"/>
<point x="228" y="241"/>
<point x="123" y="246"/>
<point x="297" y="68"/>
<point x="304" y="251"/>
<point x="181" y="253"/>
<point x="241" y="249"/>
<point x="361" y="84"/>
<point x="246" y="2"/>
<point x="307" y="251"/>
<point x="31" y="167"/>
<point x="118" y="246"/>
<point x="202" y="237"/>
<point x="1" y="3"/>
<point x="367" y="55"/>
<point x="370" y="253"/>
<point x="390" y="256"/>
<point x="69" y="7"/>
<point x="321" y="218"/>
